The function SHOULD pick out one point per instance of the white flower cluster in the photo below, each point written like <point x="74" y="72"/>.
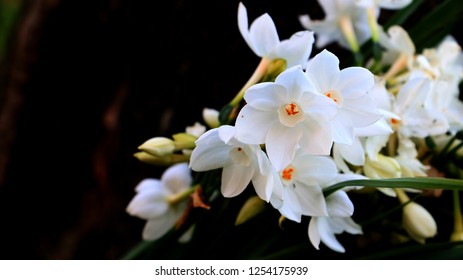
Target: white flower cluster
<point x="315" y="124"/>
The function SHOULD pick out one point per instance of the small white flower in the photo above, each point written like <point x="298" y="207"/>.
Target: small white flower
<point x="241" y="163"/>
<point x="330" y="30"/>
<point x="152" y="201"/>
<point x="286" y="114"/>
<point x="348" y="90"/>
<point x="302" y="182"/>
<point x="323" y="229"/>
<point x="262" y="38"/>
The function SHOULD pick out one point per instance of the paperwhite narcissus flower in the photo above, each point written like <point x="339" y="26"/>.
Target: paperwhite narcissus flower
<point x="324" y="229"/>
<point x="302" y="182"/>
<point x="152" y="201"/>
<point x="348" y="90"/>
<point x="338" y="13"/>
<point x="284" y="114"/>
<point x="262" y="38"/>
<point x="241" y="163"/>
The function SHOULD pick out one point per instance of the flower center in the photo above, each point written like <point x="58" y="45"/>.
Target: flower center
<point x="239" y="156"/>
<point x="290" y="114"/>
<point x="335" y="96"/>
<point x="287" y="173"/>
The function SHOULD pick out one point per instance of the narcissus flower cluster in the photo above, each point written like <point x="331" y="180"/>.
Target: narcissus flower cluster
<point x="302" y="125"/>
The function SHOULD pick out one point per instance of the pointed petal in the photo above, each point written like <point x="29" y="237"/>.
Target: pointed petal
<point x="177" y="177"/>
<point x="252" y="125"/>
<point x="323" y="69"/>
<point x="362" y="111"/>
<point x="311" y="200"/>
<point x="235" y="178"/>
<point x="314" y="235"/>
<point x="343" y="130"/>
<point x="355" y="82"/>
<point x="295" y="82"/>
<point x="339" y="204"/>
<point x="266" y="96"/>
<point x="327" y="236"/>
<point x="210" y="152"/>
<point x="318" y="138"/>
<point x="297" y="49"/>
<point x="281" y="143"/>
<point x="156" y="228"/>
<point x="354" y="154"/>
<point x="263" y="35"/>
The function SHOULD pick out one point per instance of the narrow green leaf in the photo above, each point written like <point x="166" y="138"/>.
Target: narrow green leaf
<point x="402" y="15"/>
<point x="412" y="182"/>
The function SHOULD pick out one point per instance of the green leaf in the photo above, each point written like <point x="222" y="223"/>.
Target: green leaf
<point x="402" y="15"/>
<point x="412" y="183"/>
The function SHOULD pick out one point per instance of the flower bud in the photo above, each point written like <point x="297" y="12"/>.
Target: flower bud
<point x="184" y="141"/>
<point x="158" y="146"/>
<point x="253" y="206"/>
<point x="381" y="168"/>
<point x="418" y="222"/>
<point x="211" y="117"/>
<point x="162" y="161"/>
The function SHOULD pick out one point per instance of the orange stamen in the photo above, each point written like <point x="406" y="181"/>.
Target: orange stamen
<point x="292" y="109"/>
<point x="288" y="173"/>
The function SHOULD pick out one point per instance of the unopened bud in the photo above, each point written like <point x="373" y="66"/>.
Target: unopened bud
<point x="184" y="141"/>
<point x="274" y="68"/>
<point x="158" y="146"/>
<point x="211" y="117"/>
<point x="418" y="222"/>
<point x="253" y="206"/>
<point x="381" y="168"/>
<point x="162" y="161"/>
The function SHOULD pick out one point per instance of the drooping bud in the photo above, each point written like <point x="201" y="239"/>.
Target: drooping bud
<point x="417" y="221"/>
<point x="253" y="206"/>
<point x="184" y="141"/>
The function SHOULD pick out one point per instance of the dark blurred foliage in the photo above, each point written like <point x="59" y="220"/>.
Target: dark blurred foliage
<point x="83" y="83"/>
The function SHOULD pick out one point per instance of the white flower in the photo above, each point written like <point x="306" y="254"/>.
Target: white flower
<point x="241" y="163"/>
<point x="348" y="90"/>
<point x="324" y="229"/>
<point x="152" y="200"/>
<point x="408" y="160"/>
<point x="196" y="130"/>
<point x="262" y="38"/>
<point x="284" y="114"/>
<point x="337" y="13"/>
<point x="302" y="182"/>
<point x="397" y="43"/>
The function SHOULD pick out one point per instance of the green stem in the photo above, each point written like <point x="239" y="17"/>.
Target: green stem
<point x="181" y="196"/>
<point x="458" y="219"/>
<point x="255" y="78"/>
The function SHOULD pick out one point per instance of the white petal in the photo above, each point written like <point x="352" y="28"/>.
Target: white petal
<point x="362" y="111"/>
<point x="177" y="178"/>
<point x="156" y="228"/>
<point x="314" y="235"/>
<point x="350" y="226"/>
<point x="291" y="207"/>
<point x="343" y="130"/>
<point x="327" y="236"/>
<point x="295" y="82"/>
<point x="149" y="203"/>
<point x="323" y="69"/>
<point x="281" y="143"/>
<point x="297" y="49"/>
<point x="311" y="199"/>
<point x="235" y="178"/>
<point x="244" y="26"/>
<point x="263" y="34"/>
<point x="339" y="204"/>
<point x="394" y="4"/>
<point x="252" y="125"/>
<point x="226" y="133"/>
<point x="318" y="138"/>
<point x="354" y="153"/>
<point x="266" y="96"/>
<point x="210" y="152"/>
<point x="355" y="82"/>
<point x="317" y="170"/>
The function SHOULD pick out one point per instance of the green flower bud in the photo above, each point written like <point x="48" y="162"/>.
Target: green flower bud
<point x="158" y="146"/>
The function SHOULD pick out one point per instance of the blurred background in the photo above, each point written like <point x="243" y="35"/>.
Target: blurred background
<point x="84" y="83"/>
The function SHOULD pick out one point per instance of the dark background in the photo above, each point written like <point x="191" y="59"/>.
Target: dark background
<point x="83" y="84"/>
